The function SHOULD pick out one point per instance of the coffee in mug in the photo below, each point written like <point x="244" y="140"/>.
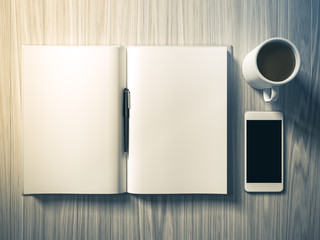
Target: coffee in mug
<point x="271" y="64"/>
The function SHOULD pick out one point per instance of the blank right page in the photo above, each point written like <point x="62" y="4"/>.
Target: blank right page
<point x="178" y="120"/>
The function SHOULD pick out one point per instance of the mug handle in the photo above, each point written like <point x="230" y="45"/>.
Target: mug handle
<point x="271" y="94"/>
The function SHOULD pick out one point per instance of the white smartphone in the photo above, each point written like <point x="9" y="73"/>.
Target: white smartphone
<point x="263" y="167"/>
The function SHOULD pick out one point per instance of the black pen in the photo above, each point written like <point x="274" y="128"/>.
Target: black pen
<point x="126" y="115"/>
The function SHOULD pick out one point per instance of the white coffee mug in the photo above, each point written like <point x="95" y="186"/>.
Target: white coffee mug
<point x="261" y="66"/>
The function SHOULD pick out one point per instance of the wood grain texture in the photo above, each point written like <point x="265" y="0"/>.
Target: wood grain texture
<point x="26" y="28"/>
<point x="293" y="214"/>
<point x="5" y="111"/>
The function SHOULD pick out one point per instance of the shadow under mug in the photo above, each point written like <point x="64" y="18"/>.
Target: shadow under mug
<point x="274" y="62"/>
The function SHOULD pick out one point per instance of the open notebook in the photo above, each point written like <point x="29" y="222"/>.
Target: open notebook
<point x="73" y="119"/>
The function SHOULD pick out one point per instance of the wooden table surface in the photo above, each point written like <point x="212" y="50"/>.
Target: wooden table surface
<point x="293" y="214"/>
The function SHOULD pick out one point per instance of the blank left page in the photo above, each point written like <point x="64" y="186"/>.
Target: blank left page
<point x="72" y="119"/>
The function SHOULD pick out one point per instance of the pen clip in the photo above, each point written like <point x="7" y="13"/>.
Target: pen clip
<point x="128" y="99"/>
<point x="126" y="102"/>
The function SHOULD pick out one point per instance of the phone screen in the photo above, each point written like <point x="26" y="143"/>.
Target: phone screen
<point x="264" y="151"/>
